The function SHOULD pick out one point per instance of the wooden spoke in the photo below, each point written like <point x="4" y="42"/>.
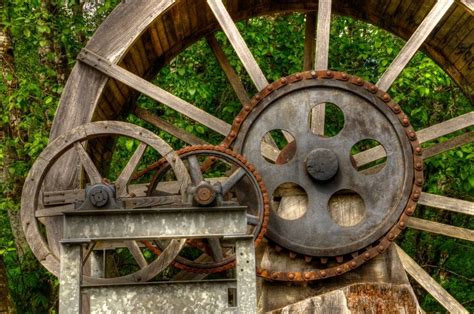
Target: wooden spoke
<point x="439" y="228"/>
<point x="424" y="135"/>
<point x="236" y="40"/>
<point x="181" y="134"/>
<point x="446" y="127"/>
<point x="309" y="41"/>
<point x="126" y="174"/>
<point x="453" y="143"/>
<point x="414" y="43"/>
<point x="89" y="167"/>
<point x="116" y="72"/>
<point x="447" y="203"/>
<point x="322" y="59"/>
<point x="216" y="249"/>
<point x="233" y="78"/>
<point x="232" y="180"/>
<point x="425" y="280"/>
<point x="136" y="253"/>
<point x="195" y="169"/>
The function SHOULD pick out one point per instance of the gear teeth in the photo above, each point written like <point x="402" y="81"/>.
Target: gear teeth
<point x="292" y="255"/>
<point x="355" y="254"/>
<point x="308" y="259"/>
<point x="340" y="259"/>
<point x="324" y="260"/>
<point x="278" y="248"/>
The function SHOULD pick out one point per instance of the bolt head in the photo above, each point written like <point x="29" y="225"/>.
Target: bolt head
<point x="322" y="164"/>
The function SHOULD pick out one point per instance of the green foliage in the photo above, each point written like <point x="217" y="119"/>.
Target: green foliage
<point x="423" y="90"/>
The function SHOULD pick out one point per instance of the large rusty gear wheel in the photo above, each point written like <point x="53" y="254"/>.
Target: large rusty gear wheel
<point x="286" y="104"/>
<point x="244" y="184"/>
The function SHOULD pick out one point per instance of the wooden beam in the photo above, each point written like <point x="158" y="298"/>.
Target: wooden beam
<point x="439" y="228"/>
<point x="236" y="40"/>
<point x="430" y="285"/>
<point x="160" y="95"/>
<point x="126" y="174"/>
<point x="233" y="78"/>
<point x="156" y="121"/>
<point x="414" y="43"/>
<point x="318" y="114"/>
<point x="309" y="41"/>
<point x="88" y="164"/>
<point x="424" y="135"/>
<point x="452" y="143"/>
<point x="447" y="203"/>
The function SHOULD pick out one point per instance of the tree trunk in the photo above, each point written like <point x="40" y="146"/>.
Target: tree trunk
<point x="6" y="304"/>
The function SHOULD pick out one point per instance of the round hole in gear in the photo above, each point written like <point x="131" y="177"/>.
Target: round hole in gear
<point x="290" y="201"/>
<point x="346" y="208"/>
<point x="361" y="160"/>
<point x="278" y="147"/>
<point x="333" y="119"/>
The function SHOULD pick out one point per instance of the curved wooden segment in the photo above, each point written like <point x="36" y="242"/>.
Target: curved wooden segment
<point x="430" y="285"/>
<point x="114" y="71"/>
<point x="439" y="228"/>
<point x="447" y="203"/>
<point x="236" y="40"/>
<point x="414" y="43"/>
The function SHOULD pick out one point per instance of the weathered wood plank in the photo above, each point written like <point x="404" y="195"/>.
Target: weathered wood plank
<point x="126" y="174"/>
<point x="424" y="135"/>
<point x="136" y="253"/>
<point x="156" y="121"/>
<point x="233" y="78"/>
<point x="412" y="45"/>
<point x="425" y="280"/>
<point x="153" y="91"/>
<point x="439" y="228"/>
<point x="89" y="167"/>
<point x="447" y="203"/>
<point x="236" y="40"/>
<point x="452" y="143"/>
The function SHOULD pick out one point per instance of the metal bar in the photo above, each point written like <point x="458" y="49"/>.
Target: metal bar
<point x="155" y="224"/>
<point x="70" y="279"/>
<point x="246" y="278"/>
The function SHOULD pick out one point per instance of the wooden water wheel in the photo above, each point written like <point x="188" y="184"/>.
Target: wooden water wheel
<point x="140" y="37"/>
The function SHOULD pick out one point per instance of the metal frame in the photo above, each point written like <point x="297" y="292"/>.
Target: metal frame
<point x="81" y="227"/>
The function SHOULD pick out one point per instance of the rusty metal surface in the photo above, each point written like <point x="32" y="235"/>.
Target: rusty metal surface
<point x="369" y="112"/>
<point x="249" y="190"/>
<point x="154" y="223"/>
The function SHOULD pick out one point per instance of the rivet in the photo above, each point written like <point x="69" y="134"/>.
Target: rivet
<point x="391" y="236"/>
<point x="386" y="98"/>
<point x="329" y="73"/>
<point x="410" y="210"/>
<point x="416" y="196"/>
<point x="238" y="120"/>
<point x="269" y="88"/>
<point x="418" y="150"/>
<point x="275" y="275"/>
<point x="405" y="121"/>
<point x="232" y="133"/>
<point x="381" y="248"/>
<point x="339" y="270"/>
<point x="353" y="264"/>
<point x="307" y="276"/>
<point x="291" y="276"/>
<point x="323" y="273"/>
<point x="298" y="76"/>
<point x="344" y="76"/>
<point x="419" y="181"/>
<point x="359" y="81"/>
<point x="401" y="225"/>
<point x="366" y="255"/>
<point x="397" y="109"/>
<point x="258" y="97"/>
<point x="247" y="108"/>
<point x="412" y="135"/>
<point x="284" y="80"/>
<point x="373" y="89"/>
<point x="419" y="166"/>
<point x="314" y="74"/>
